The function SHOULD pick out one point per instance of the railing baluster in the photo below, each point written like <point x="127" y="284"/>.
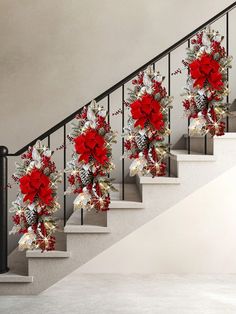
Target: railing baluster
<point x="64" y="162"/>
<point x="169" y="91"/>
<point x="108" y="108"/>
<point x="49" y="141"/>
<point x="227" y="51"/>
<point x="108" y="115"/>
<point x="189" y="140"/>
<point x="123" y="150"/>
<point x="205" y="144"/>
<point x="82" y="216"/>
<point x="3" y="210"/>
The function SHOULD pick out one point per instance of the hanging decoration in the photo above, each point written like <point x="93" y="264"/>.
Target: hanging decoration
<point x="207" y="86"/>
<point x="91" y="163"/>
<point x="147" y="125"/>
<point x="36" y="201"/>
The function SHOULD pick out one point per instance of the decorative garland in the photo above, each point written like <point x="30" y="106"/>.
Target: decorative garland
<point x="91" y="162"/>
<point x="207" y="64"/>
<point x="147" y="125"/>
<point x="37" y="199"/>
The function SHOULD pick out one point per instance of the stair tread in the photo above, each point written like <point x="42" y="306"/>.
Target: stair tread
<point x="195" y="136"/>
<point x="182" y="155"/>
<point x="47" y="254"/>
<point x="125" y="204"/>
<point x="131" y="193"/>
<point x="74" y="228"/>
<point x="15" y="278"/>
<point x="159" y="180"/>
<point x="227" y="135"/>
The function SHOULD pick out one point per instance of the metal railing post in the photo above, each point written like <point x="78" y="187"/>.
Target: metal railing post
<point x="82" y="216"/>
<point x="3" y="210"/>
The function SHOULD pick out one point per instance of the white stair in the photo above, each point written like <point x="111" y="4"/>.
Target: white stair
<point x="47" y="254"/>
<point x="183" y="155"/>
<point x="15" y="278"/>
<point x="126" y="204"/>
<point x="144" y="201"/>
<point x="86" y="229"/>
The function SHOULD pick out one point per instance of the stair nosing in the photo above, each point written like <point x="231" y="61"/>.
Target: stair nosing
<point x="47" y="254"/>
<point x="88" y="229"/>
<point x="227" y="135"/>
<point x="15" y="278"/>
<point x="123" y="204"/>
<point x="159" y="180"/>
<point x="185" y="157"/>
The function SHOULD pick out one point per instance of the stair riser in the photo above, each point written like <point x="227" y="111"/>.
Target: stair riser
<point x="225" y="148"/>
<point x="16" y="289"/>
<point x="47" y="271"/>
<point x="86" y="246"/>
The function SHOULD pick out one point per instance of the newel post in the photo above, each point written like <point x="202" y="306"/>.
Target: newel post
<point x="3" y="210"/>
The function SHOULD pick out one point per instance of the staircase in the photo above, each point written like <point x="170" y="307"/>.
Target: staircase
<point x="148" y="198"/>
<point x="197" y="163"/>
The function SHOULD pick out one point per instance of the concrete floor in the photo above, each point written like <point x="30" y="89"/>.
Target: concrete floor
<point x="129" y="294"/>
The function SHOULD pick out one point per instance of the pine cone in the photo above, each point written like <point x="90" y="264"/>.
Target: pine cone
<point x="85" y="176"/>
<point x="141" y="141"/>
<point x="31" y="216"/>
<point x="201" y="102"/>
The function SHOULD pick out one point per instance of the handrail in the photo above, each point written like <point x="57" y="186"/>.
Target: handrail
<point x="126" y="79"/>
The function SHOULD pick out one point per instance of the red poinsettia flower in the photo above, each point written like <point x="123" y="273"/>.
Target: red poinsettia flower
<point x="147" y="110"/>
<point x="217" y="129"/>
<point x="47" y="243"/>
<point x="91" y="144"/>
<point x="36" y="184"/>
<point x="101" y="204"/>
<point x="157" y="170"/>
<point x="204" y="70"/>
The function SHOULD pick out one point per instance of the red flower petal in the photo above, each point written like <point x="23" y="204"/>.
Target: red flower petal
<point x="33" y="184"/>
<point x="206" y="69"/>
<point x="146" y="110"/>
<point x="140" y="122"/>
<point x="91" y="144"/>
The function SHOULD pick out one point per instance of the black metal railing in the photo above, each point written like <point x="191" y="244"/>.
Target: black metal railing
<point x="63" y="125"/>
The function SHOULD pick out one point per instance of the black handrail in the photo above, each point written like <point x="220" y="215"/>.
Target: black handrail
<point x="126" y="79"/>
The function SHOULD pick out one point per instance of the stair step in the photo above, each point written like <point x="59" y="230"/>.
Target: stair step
<point x="131" y="193"/>
<point x="159" y="180"/>
<point x="15" y="278"/>
<point x="194" y="136"/>
<point x="182" y="155"/>
<point x="85" y="229"/>
<point x="126" y="205"/>
<point x="47" y="254"/>
<point x="228" y="135"/>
